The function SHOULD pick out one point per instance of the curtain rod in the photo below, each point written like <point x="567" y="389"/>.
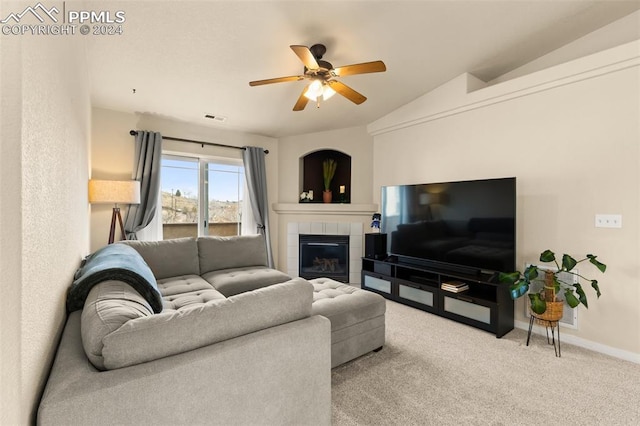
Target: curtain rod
<point x="134" y="132"/>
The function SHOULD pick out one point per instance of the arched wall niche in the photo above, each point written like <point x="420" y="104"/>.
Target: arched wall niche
<point x="311" y="177"/>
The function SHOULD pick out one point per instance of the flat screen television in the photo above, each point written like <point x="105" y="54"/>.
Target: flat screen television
<point x="466" y="226"/>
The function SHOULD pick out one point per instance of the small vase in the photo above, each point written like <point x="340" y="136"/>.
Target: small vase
<point x="326" y="196"/>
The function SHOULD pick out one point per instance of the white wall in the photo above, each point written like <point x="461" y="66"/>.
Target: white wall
<point x="44" y="211"/>
<point x="113" y="153"/>
<point x="353" y="141"/>
<point x="570" y="135"/>
<point x="112" y="158"/>
<point x="624" y="30"/>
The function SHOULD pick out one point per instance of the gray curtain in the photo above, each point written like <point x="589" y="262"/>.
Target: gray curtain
<point x="146" y="169"/>
<point x="256" y="173"/>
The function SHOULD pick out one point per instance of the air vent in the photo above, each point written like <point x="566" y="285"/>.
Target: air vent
<point x="218" y="118"/>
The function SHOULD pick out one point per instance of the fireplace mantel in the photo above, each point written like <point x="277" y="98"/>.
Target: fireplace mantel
<point x="325" y="209"/>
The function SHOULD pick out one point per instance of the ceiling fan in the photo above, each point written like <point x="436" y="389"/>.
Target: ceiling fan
<point x="322" y="75"/>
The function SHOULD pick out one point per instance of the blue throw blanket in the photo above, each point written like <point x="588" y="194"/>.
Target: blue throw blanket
<point x="114" y="262"/>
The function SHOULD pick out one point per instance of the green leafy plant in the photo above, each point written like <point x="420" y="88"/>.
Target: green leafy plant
<point x="328" y="171"/>
<point x="574" y="294"/>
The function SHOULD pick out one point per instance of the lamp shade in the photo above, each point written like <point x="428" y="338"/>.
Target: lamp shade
<point x="318" y="88"/>
<point x="114" y="191"/>
<point x="431" y="198"/>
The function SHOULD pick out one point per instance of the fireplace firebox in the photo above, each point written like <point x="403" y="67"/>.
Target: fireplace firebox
<point x="324" y="256"/>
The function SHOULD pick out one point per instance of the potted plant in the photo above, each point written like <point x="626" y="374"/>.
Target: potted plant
<point x="545" y="301"/>
<point x="329" y="166"/>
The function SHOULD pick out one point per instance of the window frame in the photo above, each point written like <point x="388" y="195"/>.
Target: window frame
<point x="203" y="162"/>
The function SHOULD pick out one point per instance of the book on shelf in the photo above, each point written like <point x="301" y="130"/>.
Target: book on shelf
<point x="455" y="290"/>
<point x="454" y="283"/>
<point x="454" y="286"/>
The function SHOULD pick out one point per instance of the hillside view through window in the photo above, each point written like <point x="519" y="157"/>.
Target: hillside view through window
<point x="200" y="197"/>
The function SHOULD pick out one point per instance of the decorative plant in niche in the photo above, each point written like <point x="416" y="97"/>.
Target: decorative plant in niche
<point x="328" y="171"/>
<point x="574" y="294"/>
<point x="329" y="166"/>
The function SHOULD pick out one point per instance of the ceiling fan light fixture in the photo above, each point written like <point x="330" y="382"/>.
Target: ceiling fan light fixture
<point x="310" y="96"/>
<point x="327" y="92"/>
<point x="321" y="76"/>
<point x="314" y="90"/>
<point x="319" y="89"/>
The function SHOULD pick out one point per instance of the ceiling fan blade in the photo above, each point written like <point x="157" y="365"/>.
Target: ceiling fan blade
<point x="347" y="92"/>
<point x="305" y="56"/>
<point x="366" y="67"/>
<point x="276" y="80"/>
<point x="302" y="100"/>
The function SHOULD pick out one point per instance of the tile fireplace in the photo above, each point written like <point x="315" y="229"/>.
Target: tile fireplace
<point x="351" y="231"/>
<point x="324" y="256"/>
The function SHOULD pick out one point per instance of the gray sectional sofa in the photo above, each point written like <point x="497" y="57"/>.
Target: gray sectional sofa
<point x="220" y="352"/>
<point x="214" y="336"/>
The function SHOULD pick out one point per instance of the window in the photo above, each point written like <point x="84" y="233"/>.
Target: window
<point x="201" y="196"/>
<point x="225" y="184"/>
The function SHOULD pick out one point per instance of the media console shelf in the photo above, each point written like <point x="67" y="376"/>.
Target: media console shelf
<point x="486" y="305"/>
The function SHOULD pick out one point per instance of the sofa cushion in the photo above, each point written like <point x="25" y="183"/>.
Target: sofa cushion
<point x="107" y="306"/>
<point x="345" y="305"/>
<point x="169" y="258"/>
<point x="168" y="333"/>
<point x="217" y="253"/>
<point x="182" y="284"/>
<point x="238" y="280"/>
<point x="185" y="291"/>
<point x="191" y="299"/>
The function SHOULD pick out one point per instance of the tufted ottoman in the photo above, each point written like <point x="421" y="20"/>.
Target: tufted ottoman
<point x="357" y="318"/>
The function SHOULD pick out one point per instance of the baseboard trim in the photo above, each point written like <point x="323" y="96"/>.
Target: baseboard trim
<point x="584" y="343"/>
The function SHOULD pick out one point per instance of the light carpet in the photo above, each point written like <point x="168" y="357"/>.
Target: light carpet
<point x="434" y="371"/>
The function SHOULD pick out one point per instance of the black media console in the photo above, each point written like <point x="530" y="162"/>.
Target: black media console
<point x="486" y="304"/>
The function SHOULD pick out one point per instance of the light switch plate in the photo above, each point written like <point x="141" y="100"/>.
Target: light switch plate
<point x="608" y="221"/>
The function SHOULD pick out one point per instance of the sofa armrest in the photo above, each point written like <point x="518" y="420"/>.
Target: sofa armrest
<point x="108" y="306"/>
<point x="279" y="375"/>
<point x="168" y="333"/>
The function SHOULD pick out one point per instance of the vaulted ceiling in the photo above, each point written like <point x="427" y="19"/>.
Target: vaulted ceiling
<point x="182" y="59"/>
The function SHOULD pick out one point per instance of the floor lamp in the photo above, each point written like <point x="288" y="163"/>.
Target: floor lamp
<point x="114" y="192"/>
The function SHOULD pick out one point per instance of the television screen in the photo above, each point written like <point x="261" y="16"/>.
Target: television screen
<point x="468" y="225"/>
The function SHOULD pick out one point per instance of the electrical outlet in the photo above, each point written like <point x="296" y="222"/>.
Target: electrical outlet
<point x="608" y="221"/>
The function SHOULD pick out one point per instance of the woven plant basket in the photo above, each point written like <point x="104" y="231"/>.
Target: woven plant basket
<point x="553" y="313"/>
<point x="554" y="307"/>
